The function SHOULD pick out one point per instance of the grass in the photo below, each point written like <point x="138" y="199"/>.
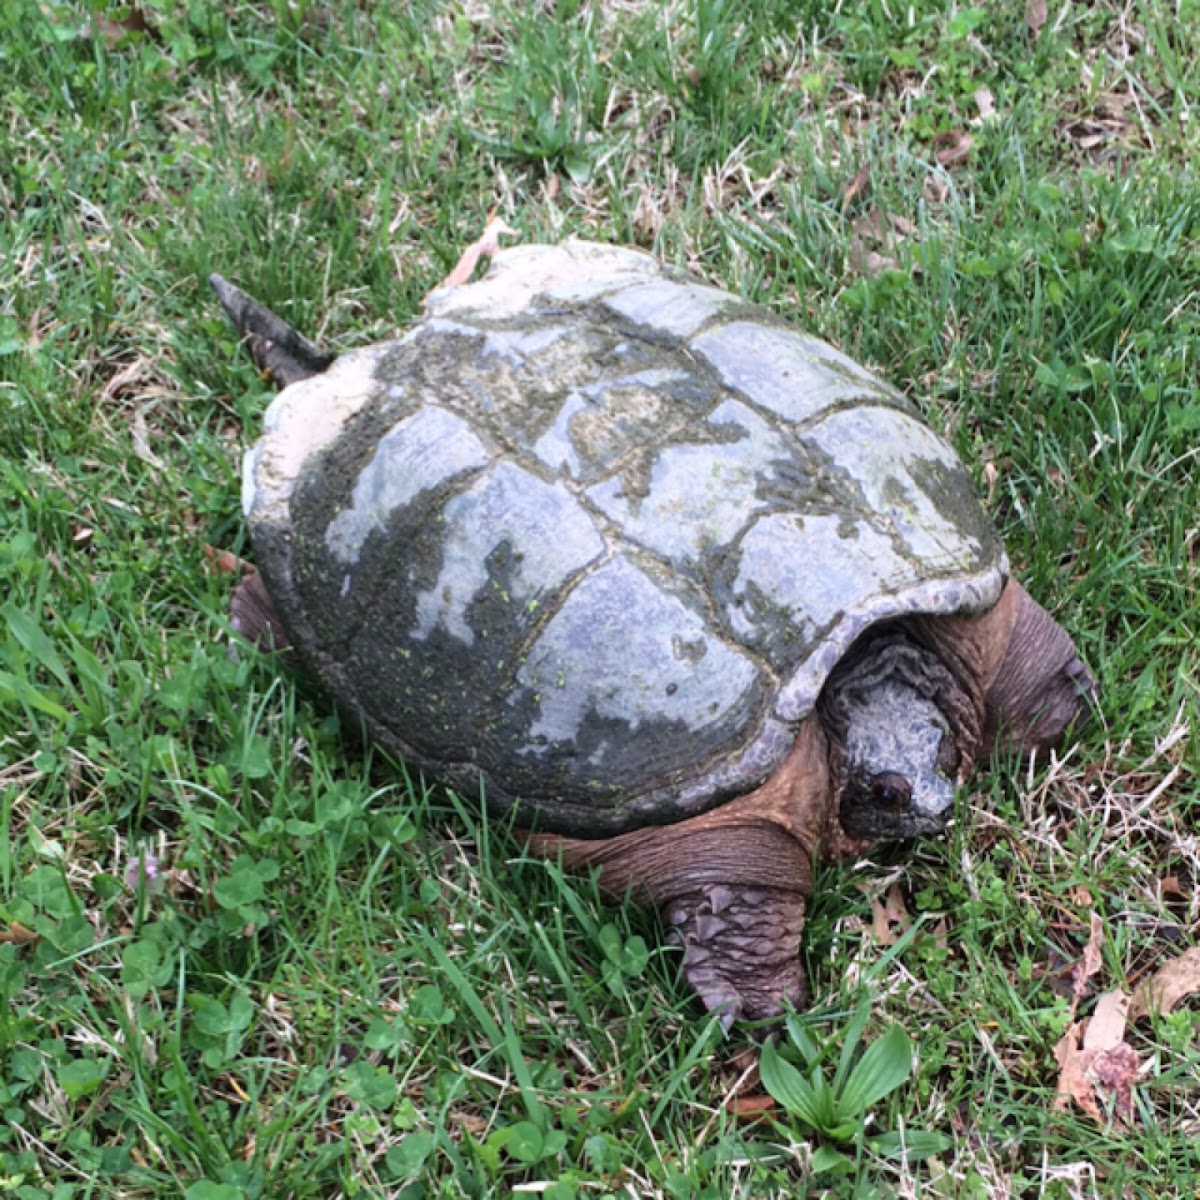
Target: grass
<point x="340" y="981"/>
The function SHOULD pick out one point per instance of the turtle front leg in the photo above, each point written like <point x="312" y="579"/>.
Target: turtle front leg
<point x="733" y="883"/>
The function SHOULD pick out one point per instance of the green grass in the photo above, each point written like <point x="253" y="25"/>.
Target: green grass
<point x="343" y="982"/>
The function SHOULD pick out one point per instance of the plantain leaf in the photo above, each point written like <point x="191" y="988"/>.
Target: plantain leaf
<point x="912" y="1145"/>
<point x="789" y="1087"/>
<point x="884" y="1066"/>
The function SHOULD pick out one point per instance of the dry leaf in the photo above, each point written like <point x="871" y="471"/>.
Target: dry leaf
<point x="986" y="103"/>
<point x="1106" y="1029"/>
<point x="1103" y="1066"/>
<point x="750" y="1107"/>
<point x="889" y="918"/>
<point x="953" y="146"/>
<point x="1035" y="16"/>
<point x="487" y="245"/>
<point x="225" y="562"/>
<point x="1169" y="885"/>
<point x="990" y="476"/>
<point x="18" y="935"/>
<point x="1173" y="981"/>
<point x="1073" y="1083"/>
<point x="1089" y="964"/>
<point x="857" y="185"/>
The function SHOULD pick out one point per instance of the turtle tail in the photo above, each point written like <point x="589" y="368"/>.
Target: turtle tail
<point x="277" y="349"/>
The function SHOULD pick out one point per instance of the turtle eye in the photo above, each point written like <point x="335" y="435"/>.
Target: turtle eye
<point x="890" y="791"/>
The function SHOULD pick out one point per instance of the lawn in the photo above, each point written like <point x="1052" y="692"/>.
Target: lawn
<point x="241" y="956"/>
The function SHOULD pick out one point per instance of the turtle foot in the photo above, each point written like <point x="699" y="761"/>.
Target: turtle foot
<point x="741" y="950"/>
<point x="733" y="883"/>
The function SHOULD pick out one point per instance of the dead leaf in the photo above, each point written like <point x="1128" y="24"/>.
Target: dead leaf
<point x="1173" y="981"/>
<point x="487" y="245"/>
<point x="990" y="476"/>
<point x="1115" y="1070"/>
<point x="889" y="917"/>
<point x="226" y="562"/>
<point x="986" y="103"/>
<point x="114" y="31"/>
<point x="750" y="1107"/>
<point x="1169" y="885"/>
<point x="857" y="185"/>
<point x="1073" y="1083"/>
<point x="1089" y="964"/>
<point x="1035" y="17"/>
<point x="16" y="934"/>
<point x="1096" y="1063"/>
<point x="952" y="146"/>
<point x="1106" y="1029"/>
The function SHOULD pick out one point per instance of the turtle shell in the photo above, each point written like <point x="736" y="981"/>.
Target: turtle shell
<point x="591" y="536"/>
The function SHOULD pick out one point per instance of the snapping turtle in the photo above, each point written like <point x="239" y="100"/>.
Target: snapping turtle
<point x="697" y="593"/>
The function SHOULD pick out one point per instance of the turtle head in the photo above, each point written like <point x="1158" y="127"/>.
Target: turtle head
<point x="900" y="762"/>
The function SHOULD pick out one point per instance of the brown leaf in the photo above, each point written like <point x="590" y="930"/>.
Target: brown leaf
<point x="1106" y="1030"/>
<point x="114" y="31"/>
<point x="1089" y="964"/>
<point x="750" y="1107"/>
<point x="1073" y="1083"/>
<point x="1035" y="16"/>
<point x="953" y="146"/>
<point x="1169" y="885"/>
<point x="1103" y="1065"/>
<point x="226" y="562"/>
<point x="1115" y="1070"/>
<point x="486" y="245"/>
<point x="1173" y="981"/>
<point x="889" y="917"/>
<point x="940" y="934"/>
<point x="986" y="103"/>
<point x="17" y="935"/>
<point x="857" y="185"/>
<point x="991" y="475"/>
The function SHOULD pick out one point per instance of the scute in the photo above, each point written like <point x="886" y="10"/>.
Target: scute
<point x="593" y="534"/>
